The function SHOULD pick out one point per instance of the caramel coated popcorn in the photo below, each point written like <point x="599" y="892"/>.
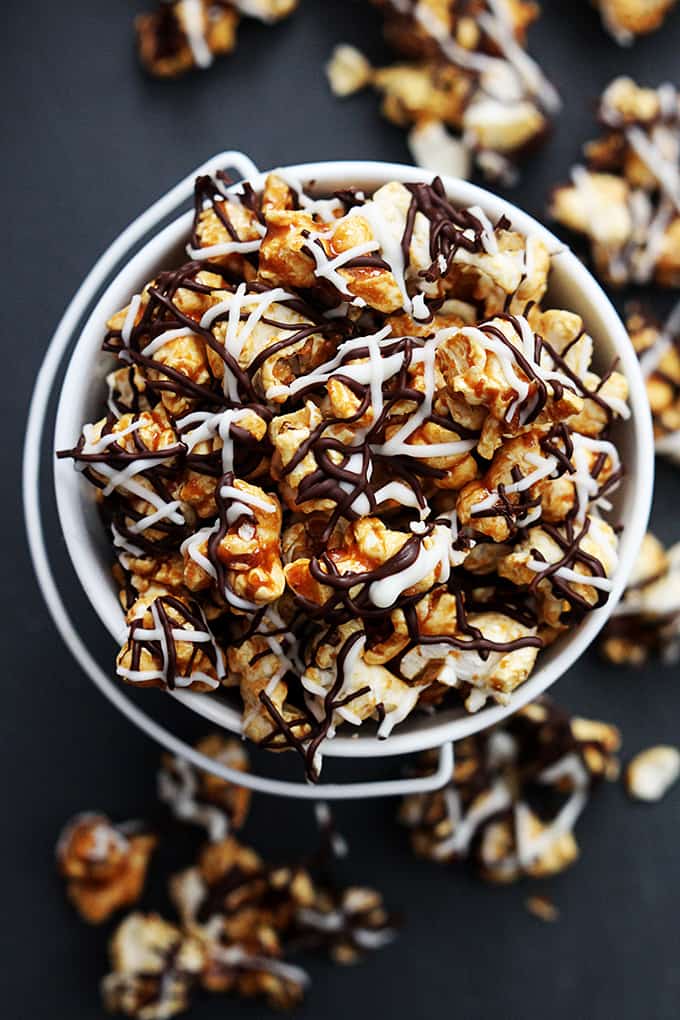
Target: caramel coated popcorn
<point x="351" y="462"/>
<point x="626" y="19"/>
<point x="247" y="914"/>
<point x="465" y="85"/>
<point x="515" y="794"/>
<point x="239" y="909"/>
<point x="658" y="348"/>
<point x="104" y="865"/>
<point x="154" y="966"/>
<point x="348" y="923"/>
<point x="185" y="34"/>
<point x="239" y="918"/>
<point x="625" y="198"/>
<point x="647" y="620"/>
<point x="202" y="797"/>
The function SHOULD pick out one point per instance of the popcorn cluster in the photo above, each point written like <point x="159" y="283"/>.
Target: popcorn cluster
<point x="626" y="199"/>
<point x="516" y="793"/>
<point x="350" y="463"/>
<point x="626" y="19"/>
<point x="104" y="865"/>
<point x="238" y="916"/>
<point x="658" y="348"/>
<point x="465" y="70"/>
<point x="647" y="620"/>
<point x="185" y="34"/>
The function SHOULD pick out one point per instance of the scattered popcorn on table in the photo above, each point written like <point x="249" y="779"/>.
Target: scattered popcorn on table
<point x="104" y="864"/>
<point x="658" y="347"/>
<point x="465" y="70"/>
<point x="230" y="890"/>
<point x="351" y="465"/>
<point x="647" y="620"/>
<point x="625" y="19"/>
<point x="185" y="34"/>
<point x="239" y="910"/>
<point x="154" y="967"/>
<point x="239" y="917"/>
<point x="516" y="793"/>
<point x="348" y="923"/>
<point x="651" y="773"/>
<point x="203" y="798"/>
<point x="625" y="200"/>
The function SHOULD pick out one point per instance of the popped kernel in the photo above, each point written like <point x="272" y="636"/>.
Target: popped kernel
<point x="658" y="348"/>
<point x="626" y="19"/>
<point x="104" y="865"/>
<point x="651" y="773"/>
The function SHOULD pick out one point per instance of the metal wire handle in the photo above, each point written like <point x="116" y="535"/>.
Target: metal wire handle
<point x="73" y="316"/>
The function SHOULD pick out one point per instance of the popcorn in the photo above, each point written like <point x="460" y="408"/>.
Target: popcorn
<point x="186" y="34"/>
<point x="658" y="347"/>
<point x="246" y="565"/>
<point x="625" y="19"/>
<point x="154" y="968"/>
<point x="104" y="865"/>
<point x="352" y="464"/>
<point x="647" y="620"/>
<point x="231" y="889"/>
<point x="170" y="645"/>
<point x="238" y="916"/>
<point x="515" y="794"/>
<point x="236" y="907"/>
<point x="625" y="199"/>
<point x="433" y="148"/>
<point x="202" y="797"/>
<point x="568" y="569"/>
<point x="348" y="70"/>
<point x="245" y="913"/>
<point x="651" y="773"/>
<point x="348" y="922"/>
<point x="253" y="969"/>
<point x="465" y="71"/>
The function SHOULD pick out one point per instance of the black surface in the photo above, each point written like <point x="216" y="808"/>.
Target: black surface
<point x="89" y="142"/>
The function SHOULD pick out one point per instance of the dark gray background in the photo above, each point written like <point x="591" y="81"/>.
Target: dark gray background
<point x="90" y="142"/>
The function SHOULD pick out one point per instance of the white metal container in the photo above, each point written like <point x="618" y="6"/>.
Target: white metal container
<point x="81" y="399"/>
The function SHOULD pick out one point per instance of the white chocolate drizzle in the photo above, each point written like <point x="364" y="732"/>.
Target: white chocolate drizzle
<point x="124" y="480"/>
<point x="432" y="558"/>
<point x="178" y="788"/>
<point x="192" y="18"/>
<point x="157" y="634"/>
